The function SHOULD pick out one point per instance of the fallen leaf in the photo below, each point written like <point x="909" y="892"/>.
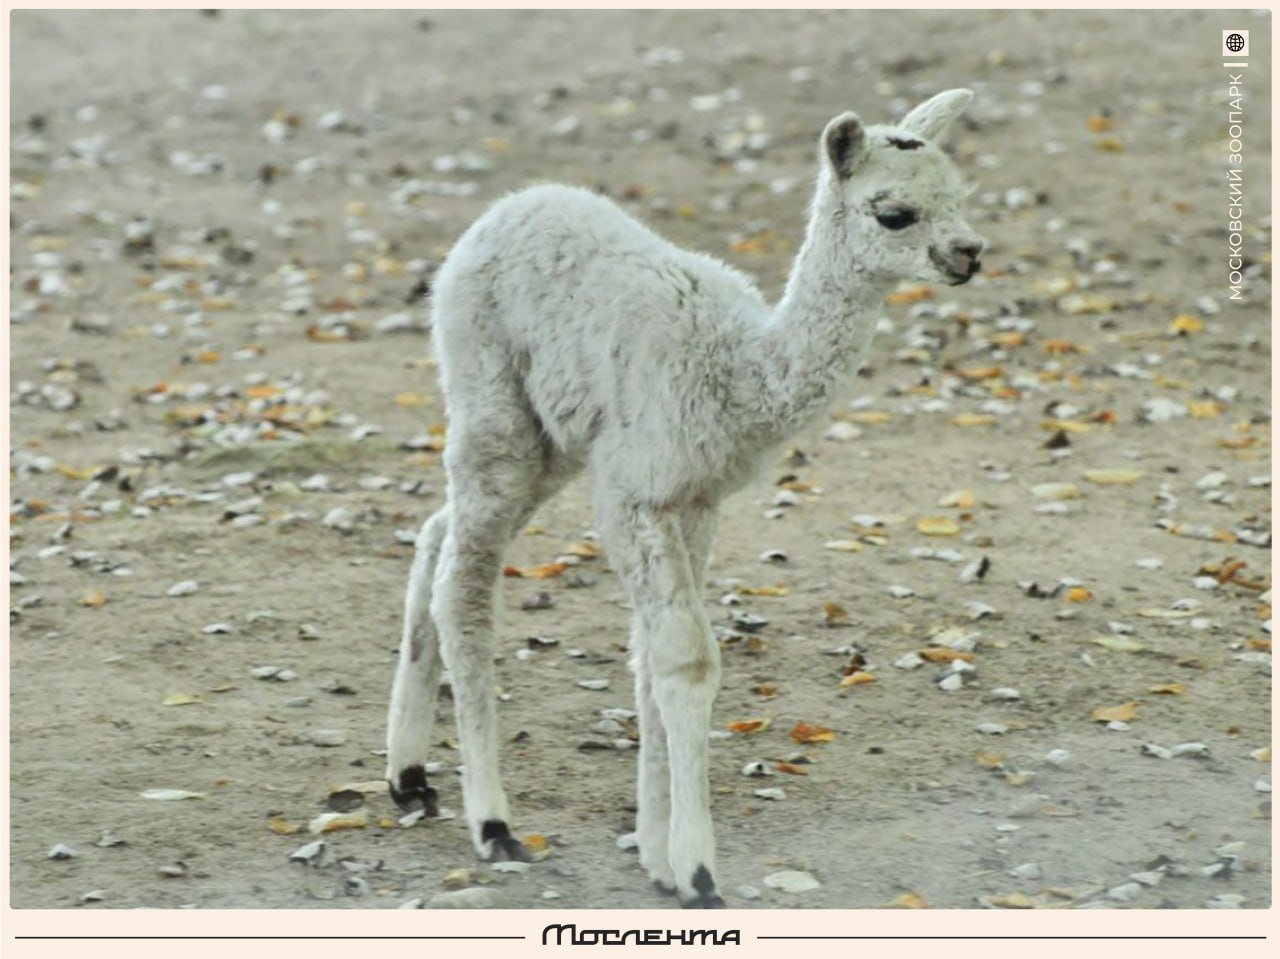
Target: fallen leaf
<point x="910" y="295"/>
<point x="746" y="726"/>
<point x="938" y="526"/>
<point x="1205" y="409"/>
<point x="765" y="690"/>
<point x="940" y="654"/>
<point x="1060" y="347"/>
<point x="412" y="399"/>
<point x="584" y="550"/>
<point x="1119" y="644"/>
<point x="972" y="419"/>
<point x="778" y="590"/>
<point x="1170" y="689"/>
<point x="792" y="769"/>
<point x="1015" y="900"/>
<point x="1115" y="714"/>
<point x="545" y="571"/>
<point x="282" y="827"/>
<point x="94" y="599"/>
<point x="867" y="417"/>
<point x="1078" y="594"/>
<point x="989" y="760"/>
<point x="534" y="842"/>
<point x="858" y="678"/>
<point x="909" y="900"/>
<point x="960" y="499"/>
<point x="180" y="699"/>
<point x="1184" y="324"/>
<point x="835" y="613"/>
<point x="804" y="733"/>
<point x="1113" y="477"/>
<point x="1099" y="123"/>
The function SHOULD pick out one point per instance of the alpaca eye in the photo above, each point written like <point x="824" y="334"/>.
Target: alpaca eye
<point x="897" y="219"/>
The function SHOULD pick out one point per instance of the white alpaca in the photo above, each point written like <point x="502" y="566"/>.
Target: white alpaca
<point x="570" y="335"/>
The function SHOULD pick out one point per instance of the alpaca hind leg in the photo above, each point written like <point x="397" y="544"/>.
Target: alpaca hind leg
<point x="417" y="681"/>
<point x="494" y="498"/>
<point x="653" y="777"/>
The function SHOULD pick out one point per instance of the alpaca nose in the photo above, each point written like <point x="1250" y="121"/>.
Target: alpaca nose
<point x="965" y="251"/>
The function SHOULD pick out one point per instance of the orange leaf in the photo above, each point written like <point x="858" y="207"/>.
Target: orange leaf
<point x="981" y="372"/>
<point x="791" y="768"/>
<point x="749" y="725"/>
<point x="282" y="827"/>
<point x="779" y="590"/>
<point x="972" y="419"/>
<point x="908" y="296"/>
<point x="1112" y="714"/>
<point x="858" y="678"/>
<point x="909" y="900"/>
<point x="1099" y="123"/>
<point x="765" y="690"/>
<point x="804" y="733"/>
<point x="940" y="654"/>
<point x="835" y="613"/>
<point x="545" y="571"/>
<point x="263" y="391"/>
<point x="1060" y="347"/>
<point x="534" y="842"/>
<point x="1078" y="594"/>
<point x="938" y="526"/>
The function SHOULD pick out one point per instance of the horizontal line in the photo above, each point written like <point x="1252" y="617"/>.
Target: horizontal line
<point x="1235" y="64"/>
<point x="1011" y="937"/>
<point x="270" y="937"/>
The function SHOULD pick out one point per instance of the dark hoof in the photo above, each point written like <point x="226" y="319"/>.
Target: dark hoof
<point x="412" y="793"/>
<point x="503" y="847"/>
<point x="704" y="901"/>
<point x="707" y="897"/>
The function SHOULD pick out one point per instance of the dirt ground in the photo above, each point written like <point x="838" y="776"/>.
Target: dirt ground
<point x="221" y="229"/>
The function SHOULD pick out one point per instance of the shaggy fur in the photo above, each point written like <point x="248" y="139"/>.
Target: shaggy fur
<point x="569" y="335"/>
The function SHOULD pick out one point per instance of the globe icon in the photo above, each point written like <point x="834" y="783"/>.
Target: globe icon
<point x="1235" y="42"/>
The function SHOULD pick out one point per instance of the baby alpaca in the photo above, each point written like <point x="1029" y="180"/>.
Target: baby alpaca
<point x="569" y="335"/>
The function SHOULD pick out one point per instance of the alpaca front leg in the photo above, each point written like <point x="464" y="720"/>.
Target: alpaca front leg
<point x="677" y="653"/>
<point x="653" y="778"/>
<point x="417" y="682"/>
<point x="685" y="661"/>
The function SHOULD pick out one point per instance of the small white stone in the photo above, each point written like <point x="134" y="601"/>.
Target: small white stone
<point x="328" y="737"/>
<point x="1151" y="877"/>
<point x="951" y="682"/>
<point x="775" y="793"/>
<point x="1028" y="870"/>
<point x="909" y="661"/>
<point x="185" y="588"/>
<point x="756" y="769"/>
<point x="473" y="897"/>
<point x="1126" y="892"/>
<point x="841" y="432"/>
<point x="1149" y="563"/>
<point x="1057" y="757"/>
<point x="218" y="629"/>
<point x="791" y="880"/>
<point x="1159" y="752"/>
<point x="1190" y="749"/>
<point x="594" y="684"/>
<point x="62" y="851"/>
<point x="992" y="729"/>
<point x="627" y="841"/>
<point x="1118" y="726"/>
<point x="1005" y="693"/>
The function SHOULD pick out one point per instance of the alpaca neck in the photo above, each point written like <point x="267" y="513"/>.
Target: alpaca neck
<point x="818" y="333"/>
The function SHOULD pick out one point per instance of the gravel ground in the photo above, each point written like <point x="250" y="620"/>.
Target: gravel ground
<point x="225" y="427"/>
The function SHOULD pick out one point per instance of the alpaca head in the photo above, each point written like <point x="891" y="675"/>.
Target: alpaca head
<point x="891" y="199"/>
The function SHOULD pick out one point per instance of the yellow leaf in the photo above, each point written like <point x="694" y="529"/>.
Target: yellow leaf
<point x="94" y="598"/>
<point x="282" y="827"/>
<point x="791" y="769"/>
<point x="844" y="545"/>
<point x="1115" y="714"/>
<point x="1059" y="347"/>
<point x="1078" y="594"/>
<point x="960" y="499"/>
<point x="1067" y="426"/>
<point x="989" y="760"/>
<point x="180" y="699"/>
<point x="1169" y="689"/>
<point x="938" y="526"/>
<point x="909" y="900"/>
<point x="412" y="399"/>
<point x="1099" y="123"/>
<point x="835" y="613"/>
<point x="980" y="372"/>
<point x="1113" y="477"/>
<point x="1013" y="901"/>
<point x="867" y="417"/>
<point x="778" y="590"/>
<point x="1111" y="145"/>
<point x="584" y="550"/>
<point x="857" y="679"/>
<point x="456" y="878"/>
<point x="1185" y="324"/>
<point x="972" y="419"/>
<point x="804" y="733"/>
<point x="1205" y="409"/>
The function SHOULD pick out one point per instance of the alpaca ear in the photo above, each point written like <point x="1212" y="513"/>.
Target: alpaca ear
<point x="932" y="118"/>
<point x="844" y="142"/>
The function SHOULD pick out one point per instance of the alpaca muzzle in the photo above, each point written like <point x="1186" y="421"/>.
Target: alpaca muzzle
<point x="961" y="261"/>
